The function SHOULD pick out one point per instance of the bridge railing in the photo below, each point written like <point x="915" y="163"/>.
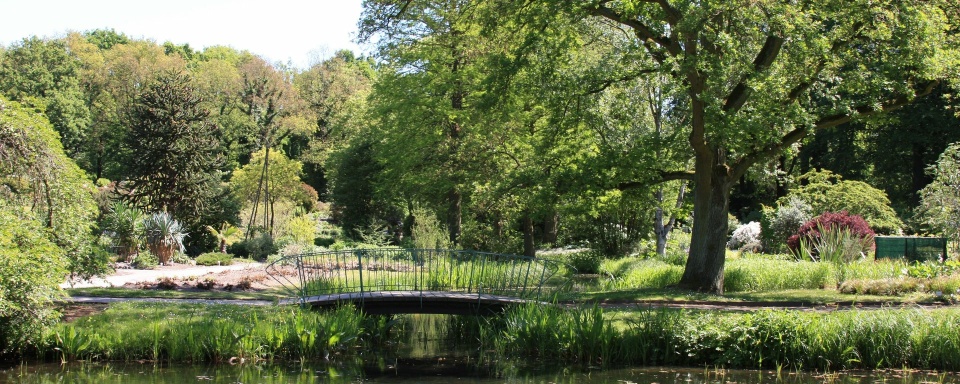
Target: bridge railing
<point x="397" y="269"/>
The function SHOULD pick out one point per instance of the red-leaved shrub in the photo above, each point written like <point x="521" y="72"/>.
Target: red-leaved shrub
<point x="828" y="220"/>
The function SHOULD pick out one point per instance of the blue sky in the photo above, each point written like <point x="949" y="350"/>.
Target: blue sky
<point x="279" y="30"/>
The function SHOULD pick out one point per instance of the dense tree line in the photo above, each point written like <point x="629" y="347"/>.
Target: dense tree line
<point x="511" y="126"/>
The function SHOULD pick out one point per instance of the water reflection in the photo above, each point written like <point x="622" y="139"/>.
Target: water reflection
<point x="429" y="349"/>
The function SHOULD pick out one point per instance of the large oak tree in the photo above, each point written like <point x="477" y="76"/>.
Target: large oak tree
<point x="760" y="76"/>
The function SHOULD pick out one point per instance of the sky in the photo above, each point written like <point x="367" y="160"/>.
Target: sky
<point x="299" y="31"/>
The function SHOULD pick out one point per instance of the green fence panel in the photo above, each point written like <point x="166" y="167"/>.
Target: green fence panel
<point x="911" y="248"/>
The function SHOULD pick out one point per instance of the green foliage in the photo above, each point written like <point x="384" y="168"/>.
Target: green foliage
<point x="932" y="269"/>
<point x="354" y="177"/>
<point x="888" y="287"/>
<point x="765" y="339"/>
<point x="281" y="183"/>
<point x="585" y="261"/>
<point x="37" y="175"/>
<point x="226" y="235"/>
<point x="207" y="333"/>
<point x="214" y="258"/>
<point x="145" y="260"/>
<point x="838" y="245"/>
<point x="173" y="151"/>
<point x="777" y="225"/>
<point x="758" y="274"/>
<point x="427" y="232"/>
<point x="257" y="248"/>
<point x="940" y="200"/>
<point x="826" y="192"/>
<point x="302" y="229"/>
<point x="31" y="270"/>
<point x="125" y="224"/>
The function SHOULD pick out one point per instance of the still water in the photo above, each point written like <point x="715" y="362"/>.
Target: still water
<point x="428" y="349"/>
<point x="436" y="371"/>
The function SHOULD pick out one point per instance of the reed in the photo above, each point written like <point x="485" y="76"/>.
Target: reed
<point x="925" y="339"/>
<point x="757" y="274"/>
<point x="206" y="333"/>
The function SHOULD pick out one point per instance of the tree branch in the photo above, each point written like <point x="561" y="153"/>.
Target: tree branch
<point x="738" y="97"/>
<point x="608" y="82"/>
<point x="640" y="29"/>
<point x="740" y="167"/>
<point x="664" y="176"/>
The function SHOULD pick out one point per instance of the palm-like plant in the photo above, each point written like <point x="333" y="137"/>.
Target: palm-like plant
<point x="226" y="235"/>
<point x="164" y="235"/>
<point x="125" y="224"/>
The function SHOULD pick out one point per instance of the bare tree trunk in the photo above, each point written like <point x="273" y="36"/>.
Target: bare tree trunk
<point x="551" y="228"/>
<point x="529" y="248"/>
<point x="660" y="229"/>
<point x="704" y="270"/>
<point x="454" y="216"/>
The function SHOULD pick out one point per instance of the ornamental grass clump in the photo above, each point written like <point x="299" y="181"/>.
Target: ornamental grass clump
<point x="835" y="237"/>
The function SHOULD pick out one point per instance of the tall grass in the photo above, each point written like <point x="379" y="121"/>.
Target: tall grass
<point x="749" y="274"/>
<point x="926" y="339"/>
<point x="763" y="274"/>
<point x="632" y="273"/>
<point x="205" y="333"/>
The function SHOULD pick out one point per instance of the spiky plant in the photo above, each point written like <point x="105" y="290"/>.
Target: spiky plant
<point x="125" y="224"/>
<point x="226" y="235"/>
<point x="164" y="235"/>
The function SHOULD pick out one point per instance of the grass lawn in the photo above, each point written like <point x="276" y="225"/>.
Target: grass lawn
<point x="173" y="294"/>
<point x="807" y="296"/>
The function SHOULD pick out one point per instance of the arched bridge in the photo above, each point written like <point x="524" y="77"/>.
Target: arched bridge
<point x="395" y="280"/>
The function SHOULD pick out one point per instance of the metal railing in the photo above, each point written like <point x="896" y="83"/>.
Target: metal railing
<point x="395" y="269"/>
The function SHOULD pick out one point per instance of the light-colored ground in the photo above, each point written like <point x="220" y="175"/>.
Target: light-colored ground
<point x="178" y="271"/>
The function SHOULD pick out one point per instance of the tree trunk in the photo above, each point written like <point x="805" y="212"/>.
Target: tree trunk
<point x="454" y="216"/>
<point x="529" y="248"/>
<point x="550" y="228"/>
<point x="704" y="271"/>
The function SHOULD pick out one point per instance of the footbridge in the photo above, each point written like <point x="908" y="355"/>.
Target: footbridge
<point x="396" y="280"/>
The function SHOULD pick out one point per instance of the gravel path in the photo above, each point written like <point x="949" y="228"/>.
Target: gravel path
<point x="125" y="276"/>
<point x="108" y="300"/>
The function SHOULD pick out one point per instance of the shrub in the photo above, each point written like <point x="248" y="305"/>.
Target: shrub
<point x="427" y="232"/>
<point x="125" y="224"/>
<point x="214" y="258"/>
<point x="302" y="229"/>
<point x="257" y="248"/>
<point x="586" y="262"/>
<point x="746" y="237"/>
<point x="732" y="224"/>
<point x="811" y="230"/>
<point x="167" y="283"/>
<point x="826" y="192"/>
<point x="144" y="260"/>
<point x="776" y="225"/>
<point x="180" y="258"/>
<point x="31" y="269"/>
<point x="207" y="283"/>
<point x="940" y="200"/>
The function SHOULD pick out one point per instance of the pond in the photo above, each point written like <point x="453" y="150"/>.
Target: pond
<point x="428" y="349"/>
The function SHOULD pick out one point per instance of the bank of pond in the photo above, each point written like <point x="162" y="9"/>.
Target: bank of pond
<point x="916" y="338"/>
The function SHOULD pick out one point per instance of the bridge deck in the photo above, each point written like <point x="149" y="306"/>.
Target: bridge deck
<point x="384" y="302"/>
